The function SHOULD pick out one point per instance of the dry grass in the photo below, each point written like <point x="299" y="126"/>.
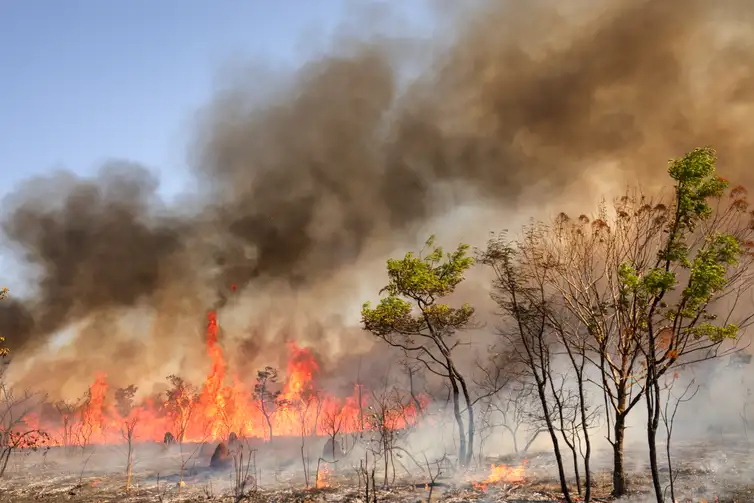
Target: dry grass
<point x="705" y="471"/>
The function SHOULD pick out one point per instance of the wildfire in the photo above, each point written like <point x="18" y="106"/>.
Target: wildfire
<point x="219" y="407"/>
<point x="503" y="474"/>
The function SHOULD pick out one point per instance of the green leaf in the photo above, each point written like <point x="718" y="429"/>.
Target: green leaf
<point x="715" y="333"/>
<point x="415" y="285"/>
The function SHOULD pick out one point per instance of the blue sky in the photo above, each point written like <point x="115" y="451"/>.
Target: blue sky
<point x="84" y="81"/>
<point x="88" y="80"/>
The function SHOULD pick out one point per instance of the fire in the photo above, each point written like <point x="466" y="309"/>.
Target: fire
<point x="221" y="405"/>
<point x="503" y="474"/>
<point x="323" y="477"/>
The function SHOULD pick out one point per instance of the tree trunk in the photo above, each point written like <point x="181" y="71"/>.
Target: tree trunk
<point x="417" y="404"/>
<point x="555" y="444"/>
<point x="619" y="472"/>
<point x="4" y="458"/>
<point x="587" y="440"/>
<point x="130" y="467"/>
<point x="576" y="471"/>
<point x="459" y="421"/>
<point x="653" y="421"/>
<point x="269" y="426"/>
<point x="470" y="413"/>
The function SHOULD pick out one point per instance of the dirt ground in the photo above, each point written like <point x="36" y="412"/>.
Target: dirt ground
<point x="706" y="472"/>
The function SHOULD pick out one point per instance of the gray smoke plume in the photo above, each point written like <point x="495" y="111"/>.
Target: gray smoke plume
<point x="528" y="100"/>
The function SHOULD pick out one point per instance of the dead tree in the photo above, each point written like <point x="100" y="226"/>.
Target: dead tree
<point x="412" y="370"/>
<point x="245" y="472"/>
<point x="15" y="433"/>
<point x="267" y="399"/>
<point x="527" y="329"/>
<point x="668" y="419"/>
<point x="493" y="376"/>
<point x="308" y="408"/>
<point x="129" y="415"/>
<point x="519" y="412"/>
<point x="333" y="421"/>
<point x="433" y="475"/>
<point x="70" y="417"/>
<point x="387" y="425"/>
<point x="187" y="455"/>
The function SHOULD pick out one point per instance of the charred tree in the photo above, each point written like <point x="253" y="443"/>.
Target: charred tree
<point x="268" y="400"/>
<point x="182" y="399"/>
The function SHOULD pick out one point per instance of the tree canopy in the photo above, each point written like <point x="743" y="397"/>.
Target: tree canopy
<point x="416" y="284"/>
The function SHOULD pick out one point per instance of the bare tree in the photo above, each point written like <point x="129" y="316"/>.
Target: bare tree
<point x="387" y="425"/>
<point x="89" y="422"/>
<point x="433" y="475"/>
<point x="15" y="433"/>
<point x="493" y="375"/>
<point x="70" y="418"/>
<point x="367" y="474"/>
<point x="124" y="403"/>
<point x="245" y="481"/>
<point x="522" y="416"/>
<point x="412" y="370"/>
<point x="188" y="454"/>
<point x="268" y="399"/>
<point x="308" y="407"/>
<point x="412" y="319"/>
<point x="534" y="331"/>
<point x="668" y="419"/>
<point x="333" y="421"/>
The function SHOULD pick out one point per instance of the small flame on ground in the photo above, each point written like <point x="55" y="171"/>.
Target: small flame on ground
<point x="503" y="474"/>
<point x="323" y="477"/>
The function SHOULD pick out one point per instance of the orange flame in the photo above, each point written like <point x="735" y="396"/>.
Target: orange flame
<point x="323" y="477"/>
<point x="502" y="474"/>
<point x="221" y="407"/>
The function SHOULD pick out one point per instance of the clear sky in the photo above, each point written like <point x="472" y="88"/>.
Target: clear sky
<point x="84" y="81"/>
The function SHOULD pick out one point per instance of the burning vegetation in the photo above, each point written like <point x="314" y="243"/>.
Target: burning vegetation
<point x="601" y="326"/>
<point x="660" y="311"/>
<point x="218" y="410"/>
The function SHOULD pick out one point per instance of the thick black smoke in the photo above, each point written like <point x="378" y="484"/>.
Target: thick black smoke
<point x="529" y="94"/>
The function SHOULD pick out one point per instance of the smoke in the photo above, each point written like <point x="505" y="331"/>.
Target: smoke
<point x="519" y="106"/>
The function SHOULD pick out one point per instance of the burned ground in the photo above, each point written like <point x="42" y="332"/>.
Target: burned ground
<point x="715" y="470"/>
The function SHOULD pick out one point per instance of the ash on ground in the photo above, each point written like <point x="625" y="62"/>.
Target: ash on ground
<point x="705" y="471"/>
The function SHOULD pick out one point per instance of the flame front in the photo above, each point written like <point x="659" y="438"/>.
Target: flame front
<point x="503" y="474"/>
<point x="323" y="477"/>
<point x="220" y="408"/>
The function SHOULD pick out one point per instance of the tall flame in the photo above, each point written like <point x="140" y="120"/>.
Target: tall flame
<point x="222" y="407"/>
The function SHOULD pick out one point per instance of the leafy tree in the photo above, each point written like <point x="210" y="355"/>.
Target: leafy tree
<point x="413" y="318"/>
<point x="182" y="398"/>
<point x="656" y="282"/>
<point x="703" y="261"/>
